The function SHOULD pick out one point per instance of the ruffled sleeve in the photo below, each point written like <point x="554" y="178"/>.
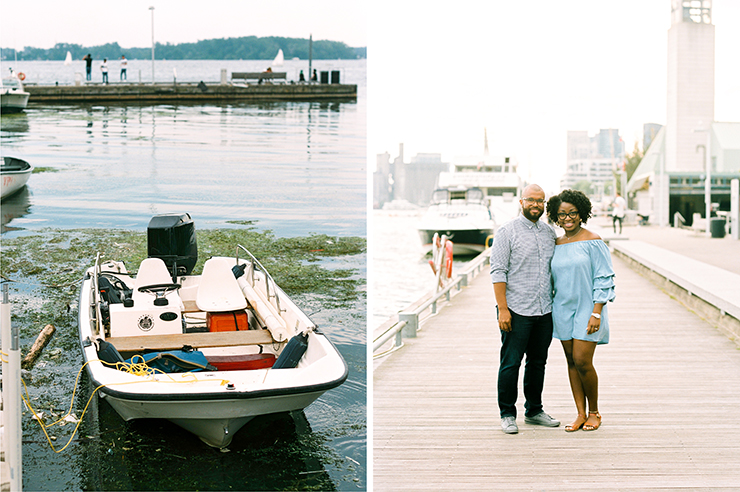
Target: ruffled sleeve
<point x="601" y="266"/>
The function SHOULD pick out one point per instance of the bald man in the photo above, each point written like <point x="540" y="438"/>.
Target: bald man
<point x="520" y="272"/>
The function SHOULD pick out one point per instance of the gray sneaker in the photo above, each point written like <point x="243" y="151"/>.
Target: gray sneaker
<point x="508" y="424"/>
<point x="542" y="419"/>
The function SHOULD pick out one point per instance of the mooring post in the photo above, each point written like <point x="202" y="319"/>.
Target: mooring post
<point x="412" y="324"/>
<point x="11" y="393"/>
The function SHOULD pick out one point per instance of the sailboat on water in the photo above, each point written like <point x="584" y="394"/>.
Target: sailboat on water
<point x="68" y="60"/>
<point x="279" y="59"/>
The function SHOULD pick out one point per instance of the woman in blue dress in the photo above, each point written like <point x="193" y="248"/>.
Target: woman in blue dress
<point x="583" y="282"/>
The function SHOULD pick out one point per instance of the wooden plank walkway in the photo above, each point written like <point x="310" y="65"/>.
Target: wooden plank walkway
<point x="669" y="384"/>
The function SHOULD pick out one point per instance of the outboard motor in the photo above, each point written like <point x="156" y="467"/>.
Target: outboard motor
<point x="171" y="238"/>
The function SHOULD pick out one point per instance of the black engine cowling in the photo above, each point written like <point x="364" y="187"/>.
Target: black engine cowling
<point x="171" y="237"/>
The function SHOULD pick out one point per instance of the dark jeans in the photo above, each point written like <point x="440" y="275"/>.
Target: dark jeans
<point x="530" y="335"/>
<point x="616" y="219"/>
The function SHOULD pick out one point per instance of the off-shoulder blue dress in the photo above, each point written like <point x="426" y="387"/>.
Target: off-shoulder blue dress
<point x="582" y="275"/>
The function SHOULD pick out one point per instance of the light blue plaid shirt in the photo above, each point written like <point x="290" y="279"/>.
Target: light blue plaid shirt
<point x="520" y="257"/>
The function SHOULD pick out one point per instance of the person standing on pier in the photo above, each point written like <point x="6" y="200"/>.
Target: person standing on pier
<point x="104" y="69"/>
<point x="618" y="213"/>
<point x="88" y="65"/>
<point x="583" y="282"/>
<point x="124" y="66"/>
<point x="520" y="272"/>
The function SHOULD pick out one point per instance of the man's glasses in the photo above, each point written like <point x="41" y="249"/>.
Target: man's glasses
<point x="572" y="215"/>
<point x="538" y="201"/>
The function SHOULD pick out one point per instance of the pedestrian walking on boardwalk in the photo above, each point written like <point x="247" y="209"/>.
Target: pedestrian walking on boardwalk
<point x="618" y="212"/>
<point x="104" y="69"/>
<point x="520" y="272"/>
<point x="583" y="282"/>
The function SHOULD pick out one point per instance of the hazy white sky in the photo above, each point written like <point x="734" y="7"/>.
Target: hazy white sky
<point x="43" y="23"/>
<point x="528" y="71"/>
<point x="440" y="72"/>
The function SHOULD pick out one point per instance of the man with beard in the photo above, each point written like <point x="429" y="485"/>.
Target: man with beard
<point x="520" y="272"/>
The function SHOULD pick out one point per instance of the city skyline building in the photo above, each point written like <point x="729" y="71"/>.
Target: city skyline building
<point x="671" y="183"/>
<point x="594" y="159"/>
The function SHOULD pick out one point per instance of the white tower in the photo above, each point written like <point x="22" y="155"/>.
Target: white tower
<point x="690" y="104"/>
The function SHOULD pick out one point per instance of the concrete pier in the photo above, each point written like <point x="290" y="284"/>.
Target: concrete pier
<point x="220" y="93"/>
<point x="669" y="386"/>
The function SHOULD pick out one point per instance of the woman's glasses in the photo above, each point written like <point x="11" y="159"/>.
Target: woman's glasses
<point x="572" y="215"/>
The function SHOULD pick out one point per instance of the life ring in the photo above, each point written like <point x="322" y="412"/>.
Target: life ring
<point x="21" y="75"/>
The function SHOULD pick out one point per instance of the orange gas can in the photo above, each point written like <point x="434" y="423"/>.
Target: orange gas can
<point x="230" y="321"/>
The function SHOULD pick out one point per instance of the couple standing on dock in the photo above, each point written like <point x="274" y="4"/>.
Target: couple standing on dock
<point x="548" y="286"/>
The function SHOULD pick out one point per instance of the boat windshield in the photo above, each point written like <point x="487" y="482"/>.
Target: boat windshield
<point x="475" y="195"/>
<point x="439" y="196"/>
<point x="11" y="83"/>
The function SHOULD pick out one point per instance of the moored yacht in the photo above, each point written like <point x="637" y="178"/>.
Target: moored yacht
<point x="495" y="176"/>
<point x="462" y="215"/>
<point x="13" y="98"/>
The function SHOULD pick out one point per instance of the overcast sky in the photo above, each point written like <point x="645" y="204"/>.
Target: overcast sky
<point x="440" y="72"/>
<point x="43" y="23"/>
<point x="528" y="71"/>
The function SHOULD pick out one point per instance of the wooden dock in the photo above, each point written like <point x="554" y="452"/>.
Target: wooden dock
<point x="669" y="388"/>
<point x="213" y="93"/>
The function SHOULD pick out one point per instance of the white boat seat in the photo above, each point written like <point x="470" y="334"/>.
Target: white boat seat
<point x="218" y="291"/>
<point x="153" y="271"/>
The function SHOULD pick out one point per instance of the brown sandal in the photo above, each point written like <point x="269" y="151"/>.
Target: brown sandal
<point x="575" y="425"/>
<point x="589" y="427"/>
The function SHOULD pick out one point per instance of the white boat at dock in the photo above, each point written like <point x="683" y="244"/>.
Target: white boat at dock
<point x="13" y="97"/>
<point x="244" y="347"/>
<point x="496" y="176"/>
<point x="462" y="215"/>
<point x="14" y="173"/>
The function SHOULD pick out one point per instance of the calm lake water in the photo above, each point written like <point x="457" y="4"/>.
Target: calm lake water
<point x="401" y="273"/>
<point x="295" y="168"/>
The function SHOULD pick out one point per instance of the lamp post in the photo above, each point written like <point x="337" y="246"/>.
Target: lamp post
<point x="152" y="9"/>
<point x="708" y="181"/>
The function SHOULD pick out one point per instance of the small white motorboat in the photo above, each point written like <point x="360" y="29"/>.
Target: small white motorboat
<point x="13" y="98"/>
<point x="462" y="215"/>
<point x="14" y="174"/>
<point x="208" y="352"/>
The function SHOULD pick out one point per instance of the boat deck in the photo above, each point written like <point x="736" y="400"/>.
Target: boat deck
<point x="195" y="340"/>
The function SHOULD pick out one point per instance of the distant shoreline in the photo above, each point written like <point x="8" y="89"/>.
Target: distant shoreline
<point x="245" y="48"/>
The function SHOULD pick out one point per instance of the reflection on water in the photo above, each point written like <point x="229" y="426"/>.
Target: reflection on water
<point x="15" y="206"/>
<point x="293" y="167"/>
<point x="273" y="452"/>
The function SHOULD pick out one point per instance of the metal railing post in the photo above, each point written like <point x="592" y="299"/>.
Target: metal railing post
<point x="412" y="324"/>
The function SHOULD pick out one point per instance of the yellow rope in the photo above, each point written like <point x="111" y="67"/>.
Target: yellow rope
<point x="136" y="369"/>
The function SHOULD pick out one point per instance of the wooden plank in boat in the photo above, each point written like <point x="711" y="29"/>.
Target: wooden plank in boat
<point x="197" y="340"/>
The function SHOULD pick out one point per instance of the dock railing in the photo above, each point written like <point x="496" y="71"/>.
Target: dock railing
<point x="407" y="323"/>
<point x="11" y="399"/>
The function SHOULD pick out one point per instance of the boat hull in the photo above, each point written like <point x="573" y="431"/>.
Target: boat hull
<point x="464" y="241"/>
<point x="13" y="102"/>
<point x="14" y="175"/>
<point x="214" y="421"/>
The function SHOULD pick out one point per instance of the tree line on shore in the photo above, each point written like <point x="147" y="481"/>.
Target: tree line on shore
<point x="243" y="48"/>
